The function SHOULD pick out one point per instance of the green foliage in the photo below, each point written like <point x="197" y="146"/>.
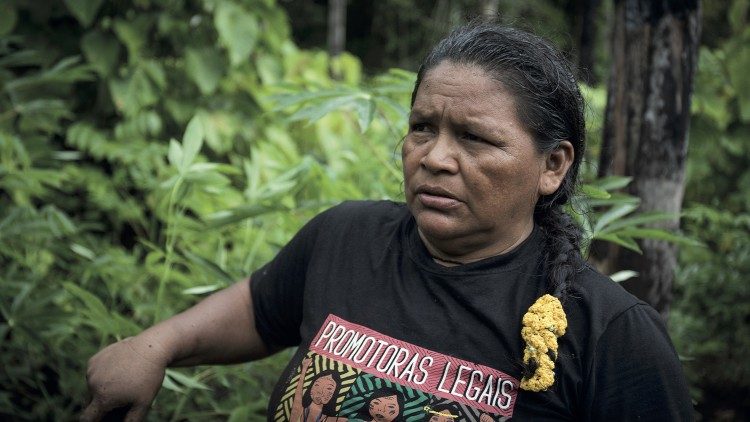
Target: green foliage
<point x="145" y="162"/>
<point x="709" y="323"/>
<point x="709" y="319"/>
<point x="611" y="216"/>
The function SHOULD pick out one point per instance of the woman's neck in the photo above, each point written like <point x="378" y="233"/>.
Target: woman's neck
<point x="314" y="411"/>
<point x="450" y="258"/>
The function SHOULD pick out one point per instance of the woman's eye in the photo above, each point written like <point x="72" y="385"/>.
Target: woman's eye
<point x="419" y="127"/>
<point x="471" y="137"/>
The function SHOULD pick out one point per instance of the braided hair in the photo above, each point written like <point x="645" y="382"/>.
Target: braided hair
<point x="550" y="106"/>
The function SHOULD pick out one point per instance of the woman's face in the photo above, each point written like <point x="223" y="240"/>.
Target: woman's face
<point x="472" y="172"/>
<point x="384" y="408"/>
<point x="322" y="390"/>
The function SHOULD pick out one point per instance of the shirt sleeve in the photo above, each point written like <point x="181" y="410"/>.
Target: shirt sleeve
<point x="278" y="289"/>
<point x="636" y="374"/>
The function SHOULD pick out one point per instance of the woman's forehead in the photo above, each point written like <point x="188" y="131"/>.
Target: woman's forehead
<point x="468" y="84"/>
<point x="325" y="378"/>
<point x="392" y="397"/>
<point x="459" y="75"/>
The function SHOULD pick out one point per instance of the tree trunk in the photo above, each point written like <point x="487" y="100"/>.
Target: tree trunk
<point x="336" y="27"/>
<point x="488" y="8"/>
<point x="655" y="51"/>
<point x="587" y="40"/>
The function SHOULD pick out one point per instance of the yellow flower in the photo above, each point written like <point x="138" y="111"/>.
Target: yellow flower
<point x="543" y="323"/>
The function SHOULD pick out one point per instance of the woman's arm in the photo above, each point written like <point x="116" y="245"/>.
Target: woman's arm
<point x="126" y="375"/>
<point x="297" y="402"/>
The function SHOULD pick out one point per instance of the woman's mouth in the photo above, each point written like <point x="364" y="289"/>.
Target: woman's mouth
<point x="437" y="198"/>
<point x="437" y="202"/>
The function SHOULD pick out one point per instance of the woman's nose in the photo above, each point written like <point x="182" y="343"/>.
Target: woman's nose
<point x="442" y="155"/>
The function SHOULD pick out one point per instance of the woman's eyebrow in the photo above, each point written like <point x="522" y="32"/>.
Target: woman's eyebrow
<point x="419" y="114"/>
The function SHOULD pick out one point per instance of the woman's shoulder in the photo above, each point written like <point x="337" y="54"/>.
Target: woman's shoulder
<point x="596" y="300"/>
<point x="351" y="222"/>
<point x="365" y="212"/>
<point x="591" y="285"/>
<point x="622" y="346"/>
<point x="369" y="206"/>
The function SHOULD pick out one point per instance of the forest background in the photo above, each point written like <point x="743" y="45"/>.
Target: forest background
<point x="154" y="151"/>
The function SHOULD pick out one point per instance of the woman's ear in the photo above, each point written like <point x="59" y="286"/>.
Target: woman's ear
<point x="556" y="165"/>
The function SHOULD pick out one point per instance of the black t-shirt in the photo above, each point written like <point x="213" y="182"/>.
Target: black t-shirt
<point x="384" y="330"/>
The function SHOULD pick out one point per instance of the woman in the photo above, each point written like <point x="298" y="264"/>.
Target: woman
<point x="386" y="404"/>
<point x="473" y="291"/>
<point x="318" y="402"/>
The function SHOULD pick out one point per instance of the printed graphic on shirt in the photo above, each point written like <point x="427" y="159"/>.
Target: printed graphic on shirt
<point x="442" y="410"/>
<point x="316" y="392"/>
<point x="354" y="373"/>
<point x="373" y="398"/>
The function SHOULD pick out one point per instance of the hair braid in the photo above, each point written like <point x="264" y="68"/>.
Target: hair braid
<point x="562" y="249"/>
<point x="545" y="320"/>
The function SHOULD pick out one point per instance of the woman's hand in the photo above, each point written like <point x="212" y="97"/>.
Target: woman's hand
<point x="124" y="378"/>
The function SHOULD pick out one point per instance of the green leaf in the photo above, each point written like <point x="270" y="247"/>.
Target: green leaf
<point x="210" y="268"/>
<point x="185" y="380"/>
<point x="207" y="178"/>
<point x="59" y="223"/>
<point x="615" y="199"/>
<point x="595" y="192"/>
<point x="285" y="100"/>
<point x="133" y="34"/>
<point x="133" y="93"/>
<point x="192" y="141"/>
<point x="235" y="215"/>
<point x="625" y="242"/>
<point x="83" y="251"/>
<point x="175" y="154"/>
<point x="92" y="302"/>
<point x="611" y="215"/>
<point x="315" y="112"/>
<point x="640" y="219"/>
<point x="101" y="50"/>
<point x="8" y="18"/>
<point x="169" y="384"/>
<point x="205" y="68"/>
<point x="155" y="72"/>
<point x="365" y="109"/>
<point x="84" y="10"/>
<point x="659" y="234"/>
<point x="610" y="183"/>
<point x="199" y="290"/>
<point x="238" y="31"/>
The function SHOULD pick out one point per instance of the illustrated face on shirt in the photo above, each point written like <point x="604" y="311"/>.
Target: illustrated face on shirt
<point x="439" y="418"/>
<point x="322" y="390"/>
<point x="384" y="408"/>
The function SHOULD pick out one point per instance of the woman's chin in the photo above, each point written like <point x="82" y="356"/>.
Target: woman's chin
<point x="439" y="226"/>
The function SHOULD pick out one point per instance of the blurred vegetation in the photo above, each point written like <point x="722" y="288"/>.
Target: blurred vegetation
<point x="154" y="151"/>
<point x="710" y="321"/>
<point x="143" y="164"/>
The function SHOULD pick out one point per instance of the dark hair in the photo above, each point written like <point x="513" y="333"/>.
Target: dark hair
<point x="364" y="411"/>
<point x="329" y="409"/>
<point x="550" y="106"/>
